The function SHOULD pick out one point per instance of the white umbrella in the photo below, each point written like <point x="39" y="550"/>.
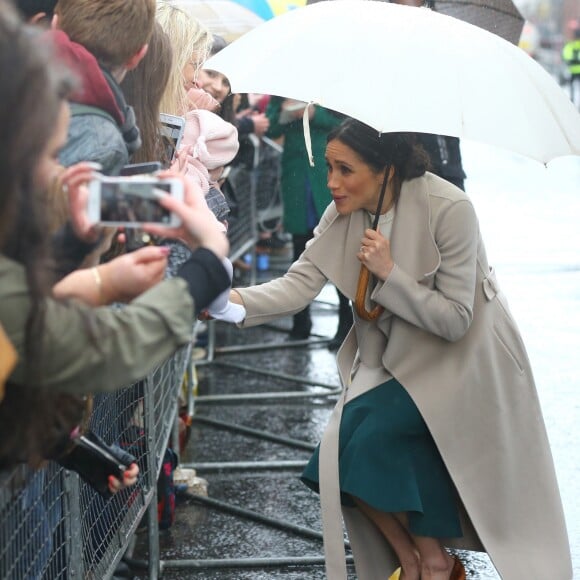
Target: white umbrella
<point x="401" y="68"/>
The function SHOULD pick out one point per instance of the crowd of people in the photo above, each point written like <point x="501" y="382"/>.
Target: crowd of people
<point x="56" y="277"/>
<point x="438" y="440"/>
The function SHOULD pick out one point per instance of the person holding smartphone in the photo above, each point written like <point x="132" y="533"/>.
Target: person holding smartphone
<point x="68" y="346"/>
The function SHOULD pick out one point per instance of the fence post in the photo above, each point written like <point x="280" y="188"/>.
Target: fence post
<point x="71" y="486"/>
<point x="151" y="480"/>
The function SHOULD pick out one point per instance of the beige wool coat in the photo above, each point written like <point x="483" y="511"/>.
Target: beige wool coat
<point x="453" y="344"/>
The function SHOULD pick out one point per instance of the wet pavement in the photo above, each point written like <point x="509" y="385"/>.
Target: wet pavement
<point x="529" y="218"/>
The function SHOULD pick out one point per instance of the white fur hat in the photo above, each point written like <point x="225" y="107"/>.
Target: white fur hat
<point x="214" y="141"/>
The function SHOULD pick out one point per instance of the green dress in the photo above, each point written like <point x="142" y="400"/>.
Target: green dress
<point x="388" y="459"/>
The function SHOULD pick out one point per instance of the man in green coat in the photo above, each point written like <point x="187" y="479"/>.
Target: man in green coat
<point x="304" y="191"/>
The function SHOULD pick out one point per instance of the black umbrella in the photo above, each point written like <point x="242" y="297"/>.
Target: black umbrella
<point x="498" y="16"/>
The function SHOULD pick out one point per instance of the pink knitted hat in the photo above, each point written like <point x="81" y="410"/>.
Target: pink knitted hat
<point x="214" y="141"/>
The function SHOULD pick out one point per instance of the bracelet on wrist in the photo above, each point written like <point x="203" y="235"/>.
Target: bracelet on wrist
<point x="99" y="283"/>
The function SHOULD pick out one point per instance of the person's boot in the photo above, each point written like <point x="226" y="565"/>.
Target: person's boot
<point x="302" y="325"/>
<point x="345" y="320"/>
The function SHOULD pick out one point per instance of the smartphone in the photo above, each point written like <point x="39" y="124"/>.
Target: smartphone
<point x="95" y="461"/>
<point x="132" y="201"/>
<point x="172" y="129"/>
<point x="141" y="168"/>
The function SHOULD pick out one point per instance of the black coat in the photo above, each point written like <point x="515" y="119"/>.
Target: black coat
<point x="445" y="156"/>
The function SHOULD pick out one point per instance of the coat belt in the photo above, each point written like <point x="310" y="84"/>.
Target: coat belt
<point x="490" y="285"/>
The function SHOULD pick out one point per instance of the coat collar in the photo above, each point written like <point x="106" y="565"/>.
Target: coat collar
<point x="412" y="243"/>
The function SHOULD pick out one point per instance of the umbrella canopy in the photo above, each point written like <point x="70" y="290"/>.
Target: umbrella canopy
<point x="400" y="68"/>
<point x="227" y="18"/>
<point x="498" y="16"/>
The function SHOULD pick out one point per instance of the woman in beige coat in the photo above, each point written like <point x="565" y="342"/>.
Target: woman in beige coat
<point x="438" y="395"/>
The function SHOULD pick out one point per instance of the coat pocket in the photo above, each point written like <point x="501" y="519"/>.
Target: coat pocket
<point x="509" y="340"/>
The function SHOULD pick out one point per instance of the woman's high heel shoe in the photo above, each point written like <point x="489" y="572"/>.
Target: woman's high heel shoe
<point x="458" y="572"/>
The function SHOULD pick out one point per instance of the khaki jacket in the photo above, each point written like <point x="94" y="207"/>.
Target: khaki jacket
<point x="453" y="344"/>
<point x="89" y="349"/>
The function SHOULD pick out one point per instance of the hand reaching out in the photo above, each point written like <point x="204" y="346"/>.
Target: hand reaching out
<point x="129" y="275"/>
<point x="119" y="280"/>
<point x="201" y="99"/>
<point x="129" y="478"/>
<point x="261" y="123"/>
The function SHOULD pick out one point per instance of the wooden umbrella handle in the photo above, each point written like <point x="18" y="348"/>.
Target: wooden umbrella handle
<point x="365" y="275"/>
<point x="360" y="298"/>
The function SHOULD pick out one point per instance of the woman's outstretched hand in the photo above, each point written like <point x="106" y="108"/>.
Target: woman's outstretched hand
<point x="127" y="276"/>
<point x="119" y="280"/>
<point x="199" y="227"/>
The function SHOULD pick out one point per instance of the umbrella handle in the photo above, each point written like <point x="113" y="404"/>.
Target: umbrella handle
<point x="360" y="298"/>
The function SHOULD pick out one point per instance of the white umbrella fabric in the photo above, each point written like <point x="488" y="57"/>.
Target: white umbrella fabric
<point x="401" y="68"/>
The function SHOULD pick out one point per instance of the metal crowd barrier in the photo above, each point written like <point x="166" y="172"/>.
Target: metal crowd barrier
<point x="54" y="526"/>
<point x="264" y="189"/>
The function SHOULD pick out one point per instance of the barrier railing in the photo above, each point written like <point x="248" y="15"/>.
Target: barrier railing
<point x="52" y="524"/>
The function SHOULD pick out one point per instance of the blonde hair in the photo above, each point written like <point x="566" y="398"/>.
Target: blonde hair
<point x="111" y="30"/>
<point x="191" y="43"/>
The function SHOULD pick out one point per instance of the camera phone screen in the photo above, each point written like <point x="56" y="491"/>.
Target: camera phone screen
<point x="170" y="135"/>
<point x="132" y="202"/>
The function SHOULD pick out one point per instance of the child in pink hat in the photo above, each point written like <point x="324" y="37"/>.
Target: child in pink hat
<point x="210" y="144"/>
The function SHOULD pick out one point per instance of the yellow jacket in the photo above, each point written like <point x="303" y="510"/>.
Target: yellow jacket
<point x="571" y="56"/>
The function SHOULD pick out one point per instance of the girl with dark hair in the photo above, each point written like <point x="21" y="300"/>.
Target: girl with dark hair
<point x="439" y="425"/>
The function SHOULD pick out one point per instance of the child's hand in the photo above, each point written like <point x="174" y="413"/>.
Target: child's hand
<point x="129" y="478"/>
<point x="201" y="99"/>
